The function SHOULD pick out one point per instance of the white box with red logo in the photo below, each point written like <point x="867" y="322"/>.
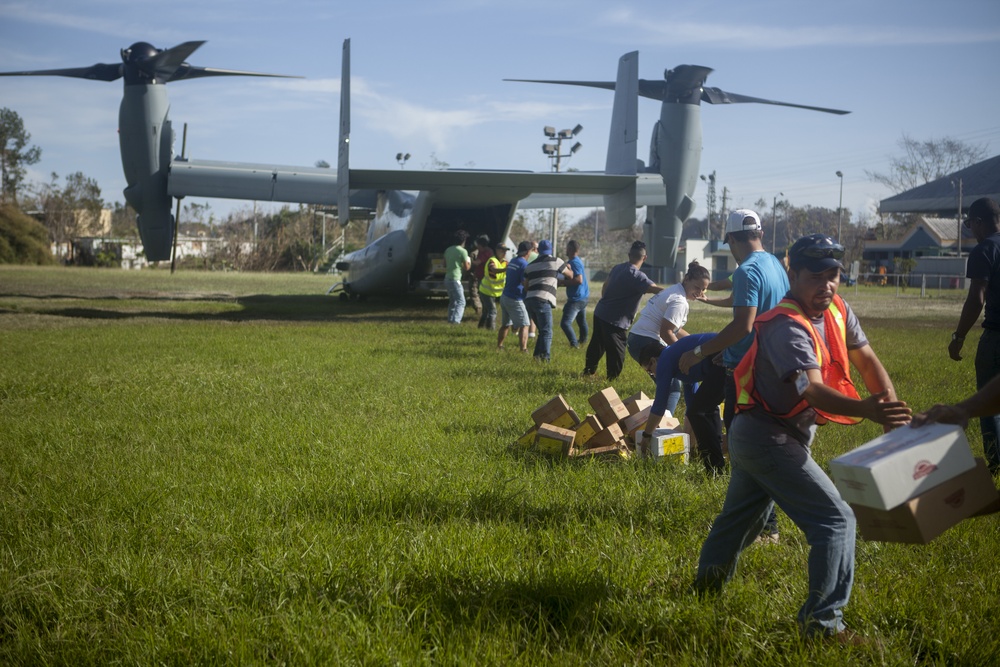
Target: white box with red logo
<point x="889" y="470"/>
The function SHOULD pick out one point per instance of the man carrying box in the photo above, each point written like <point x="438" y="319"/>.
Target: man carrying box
<point x="796" y="376"/>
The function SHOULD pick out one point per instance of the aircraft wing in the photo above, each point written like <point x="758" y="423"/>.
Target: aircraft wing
<point x="257" y="182"/>
<point x="318" y="185"/>
<point x="649" y="192"/>
<point x="458" y="187"/>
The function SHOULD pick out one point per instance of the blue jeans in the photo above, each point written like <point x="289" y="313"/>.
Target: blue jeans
<point x="988" y="367"/>
<point x="541" y="312"/>
<point x="456" y="301"/>
<point x="634" y="345"/>
<point x="775" y="469"/>
<point x="575" y="311"/>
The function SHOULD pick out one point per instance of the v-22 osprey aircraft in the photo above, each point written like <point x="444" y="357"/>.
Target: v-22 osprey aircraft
<point x="407" y="228"/>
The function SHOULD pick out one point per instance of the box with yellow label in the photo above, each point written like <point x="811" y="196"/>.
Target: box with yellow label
<point x="586" y="430"/>
<point x="553" y="440"/>
<point x="668" y="443"/>
<point x="557" y="413"/>
<point x="527" y="439"/>
<point x="606" y="437"/>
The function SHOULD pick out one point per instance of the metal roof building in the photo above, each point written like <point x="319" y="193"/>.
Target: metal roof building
<point x="940" y="197"/>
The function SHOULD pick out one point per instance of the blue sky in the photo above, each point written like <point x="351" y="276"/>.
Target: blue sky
<point x="428" y="80"/>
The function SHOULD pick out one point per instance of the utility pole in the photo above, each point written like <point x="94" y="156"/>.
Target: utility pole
<point x="774" y="219"/>
<point x="710" y="179"/>
<point x="722" y="211"/>
<point x="959" y="217"/>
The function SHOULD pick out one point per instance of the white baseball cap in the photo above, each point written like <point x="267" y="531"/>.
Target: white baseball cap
<point x="742" y="220"/>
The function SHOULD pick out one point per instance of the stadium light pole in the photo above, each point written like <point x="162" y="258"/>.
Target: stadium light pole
<point x="554" y="153"/>
<point x="774" y="219"/>
<point x="840" y="206"/>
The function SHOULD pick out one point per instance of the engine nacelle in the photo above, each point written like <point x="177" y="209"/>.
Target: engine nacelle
<point x="146" y="139"/>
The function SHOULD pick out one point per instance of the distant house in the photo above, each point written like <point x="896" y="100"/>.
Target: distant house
<point x="713" y="255"/>
<point x="930" y="237"/>
<point x="937" y="242"/>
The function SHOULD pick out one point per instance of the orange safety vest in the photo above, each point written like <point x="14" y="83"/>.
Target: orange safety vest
<point x="831" y="354"/>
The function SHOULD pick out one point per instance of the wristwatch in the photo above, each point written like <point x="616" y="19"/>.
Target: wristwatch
<point x="955" y="337"/>
<point x="697" y="351"/>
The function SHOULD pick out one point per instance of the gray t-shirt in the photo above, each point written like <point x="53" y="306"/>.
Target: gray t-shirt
<point x="785" y="348"/>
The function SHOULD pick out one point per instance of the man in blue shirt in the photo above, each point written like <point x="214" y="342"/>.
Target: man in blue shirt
<point x="577" y="294"/>
<point x="983" y="272"/>
<point x="513" y="312"/>
<point x="614" y="312"/>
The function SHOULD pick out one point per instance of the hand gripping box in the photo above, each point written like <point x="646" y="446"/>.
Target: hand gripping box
<point x="901" y="464"/>
<point x="632" y="424"/>
<point x="919" y="520"/>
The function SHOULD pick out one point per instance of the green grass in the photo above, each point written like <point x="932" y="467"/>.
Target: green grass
<point x="233" y="468"/>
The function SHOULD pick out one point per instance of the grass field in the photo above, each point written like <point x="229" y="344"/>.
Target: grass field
<point x="230" y="468"/>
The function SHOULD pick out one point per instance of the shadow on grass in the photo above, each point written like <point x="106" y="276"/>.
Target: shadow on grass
<point x="261" y="307"/>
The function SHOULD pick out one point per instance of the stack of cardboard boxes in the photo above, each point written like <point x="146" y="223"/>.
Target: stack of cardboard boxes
<point x="611" y="431"/>
<point x="912" y="484"/>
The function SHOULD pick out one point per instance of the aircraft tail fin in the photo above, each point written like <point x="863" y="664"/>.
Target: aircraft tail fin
<point x="622" y="157"/>
<point x="344" y="144"/>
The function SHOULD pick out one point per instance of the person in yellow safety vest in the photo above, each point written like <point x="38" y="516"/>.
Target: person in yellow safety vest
<point x="491" y="286"/>
<point x="794" y="377"/>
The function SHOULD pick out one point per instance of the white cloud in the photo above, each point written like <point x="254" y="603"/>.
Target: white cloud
<point x="659" y="30"/>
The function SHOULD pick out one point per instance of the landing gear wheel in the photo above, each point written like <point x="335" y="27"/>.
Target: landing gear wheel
<point x="344" y="296"/>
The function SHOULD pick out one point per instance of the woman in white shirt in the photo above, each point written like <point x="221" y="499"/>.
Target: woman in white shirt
<point x="663" y="317"/>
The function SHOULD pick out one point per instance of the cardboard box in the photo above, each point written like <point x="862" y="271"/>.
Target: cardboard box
<point x="557" y="413"/>
<point x="586" y="430"/>
<point x="605" y="437"/>
<point x="919" y="520"/>
<point x="527" y="438"/>
<point x="553" y="440"/>
<point x="901" y="464"/>
<point x="608" y="407"/>
<point x="633" y="423"/>
<point x="638" y="396"/>
<point x="614" y="452"/>
<point x="667" y="443"/>
<point x="634" y="405"/>
<point x="438" y="265"/>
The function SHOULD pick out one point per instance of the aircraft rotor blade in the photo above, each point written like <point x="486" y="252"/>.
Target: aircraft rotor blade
<point x="654" y="90"/>
<point x="718" y="96"/>
<point x="188" y="72"/>
<point x="607" y="85"/>
<point x="144" y="64"/>
<point x="98" y="72"/>
<point x="164" y="63"/>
